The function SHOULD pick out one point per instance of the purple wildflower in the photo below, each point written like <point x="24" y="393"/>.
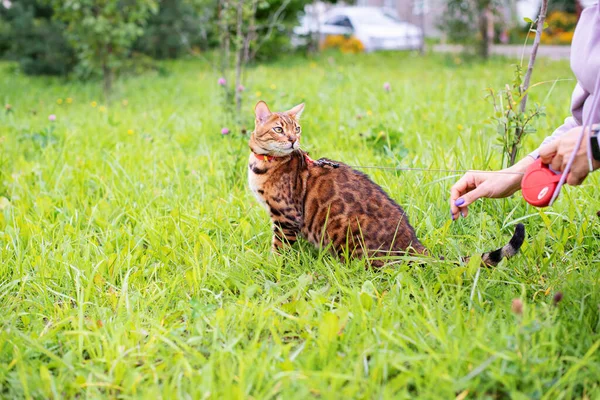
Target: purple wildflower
<point x="225" y="131"/>
<point x="52" y="117"/>
<point x="387" y="87"/>
<point x="517" y="306"/>
<point x="222" y="81"/>
<point x="557" y="298"/>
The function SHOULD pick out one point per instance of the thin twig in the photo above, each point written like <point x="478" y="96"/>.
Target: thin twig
<point x="525" y="86"/>
<point x="536" y="43"/>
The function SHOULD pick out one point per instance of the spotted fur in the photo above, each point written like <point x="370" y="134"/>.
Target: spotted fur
<point x="328" y="203"/>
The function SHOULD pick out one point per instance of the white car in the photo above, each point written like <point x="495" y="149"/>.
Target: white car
<point x="376" y="29"/>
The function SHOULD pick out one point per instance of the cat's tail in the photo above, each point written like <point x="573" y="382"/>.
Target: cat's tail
<point x="492" y="258"/>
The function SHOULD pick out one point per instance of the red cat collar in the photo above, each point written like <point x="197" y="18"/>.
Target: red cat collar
<point x="265" y="157"/>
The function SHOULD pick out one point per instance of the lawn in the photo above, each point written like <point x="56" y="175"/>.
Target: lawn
<point x="135" y="263"/>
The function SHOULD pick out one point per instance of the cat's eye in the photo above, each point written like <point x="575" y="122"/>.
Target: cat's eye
<point x="297" y="129"/>
<point x="278" y="129"/>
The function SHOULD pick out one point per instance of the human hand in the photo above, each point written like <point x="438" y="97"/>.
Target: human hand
<point x="557" y="154"/>
<point x="476" y="184"/>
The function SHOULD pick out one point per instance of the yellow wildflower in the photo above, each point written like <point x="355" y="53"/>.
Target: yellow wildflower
<point x="258" y="94"/>
<point x="130" y="131"/>
<point x="69" y="100"/>
<point x="459" y="127"/>
<point x="59" y="101"/>
<point x="93" y="104"/>
<point x="369" y="113"/>
<point x="125" y="102"/>
<point x="313" y="64"/>
<point x="102" y="109"/>
<point x="273" y="86"/>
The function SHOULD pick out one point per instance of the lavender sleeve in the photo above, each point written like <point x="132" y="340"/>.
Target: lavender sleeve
<point x="577" y="101"/>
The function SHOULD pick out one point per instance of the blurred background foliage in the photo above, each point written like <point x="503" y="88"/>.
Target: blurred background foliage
<point x="36" y="35"/>
<point x="103" y="38"/>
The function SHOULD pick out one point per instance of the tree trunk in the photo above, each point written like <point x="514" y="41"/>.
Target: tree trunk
<point x="314" y="37"/>
<point x="484" y="20"/>
<point x="239" y="55"/>
<point x="224" y="39"/>
<point x="107" y="74"/>
<point x="251" y="35"/>
<point x="422" y="21"/>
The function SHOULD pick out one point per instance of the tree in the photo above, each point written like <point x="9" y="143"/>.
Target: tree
<point x="179" y="27"/>
<point x="30" y="36"/>
<point x="251" y="29"/>
<point x="468" y="22"/>
<point x="103" y="31"/>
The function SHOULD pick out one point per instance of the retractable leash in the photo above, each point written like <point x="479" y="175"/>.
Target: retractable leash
<point x="541" y="185"/>
<point x="436" y="170"/>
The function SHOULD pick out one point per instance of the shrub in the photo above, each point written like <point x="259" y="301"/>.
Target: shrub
<point x="560" y="27"/>
<point x="560" y="21"/>
<point x="178" y="27"/>
<point x="29" y="35"/>
<point x="103" y="33"/>
<point x="344" y="44"/>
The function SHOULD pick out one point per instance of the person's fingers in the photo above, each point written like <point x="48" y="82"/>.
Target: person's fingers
<point x="461" y="187"/>
<point x="575" y="179"/>
<point x="468" y="198"/>
<point x="548" y="151"/>
<point x="557" y="162"/>
<point x="463" y="202"/>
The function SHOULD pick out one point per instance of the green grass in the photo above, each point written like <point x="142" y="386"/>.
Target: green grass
<point x="135" y="263"/>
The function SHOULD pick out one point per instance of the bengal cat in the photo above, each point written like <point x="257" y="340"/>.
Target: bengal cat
<point x="329" y="203"/>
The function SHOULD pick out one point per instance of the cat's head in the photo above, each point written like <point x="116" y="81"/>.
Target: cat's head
<point x="276" y="134"/>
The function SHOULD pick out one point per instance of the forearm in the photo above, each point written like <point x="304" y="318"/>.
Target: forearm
<point x="519" y="168"/>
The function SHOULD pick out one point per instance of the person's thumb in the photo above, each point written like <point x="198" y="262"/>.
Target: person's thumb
<point x="470" y="197"/>
<point x="548" y="151"/>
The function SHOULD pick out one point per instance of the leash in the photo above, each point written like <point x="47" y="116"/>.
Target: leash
<point x="438" y="170"/>
<point x="321" y="162"/>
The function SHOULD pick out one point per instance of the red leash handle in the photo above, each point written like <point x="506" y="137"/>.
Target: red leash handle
<point x="539" y="184"/>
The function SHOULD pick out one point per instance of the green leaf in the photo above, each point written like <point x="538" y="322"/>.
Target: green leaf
<point x="528" y="20"/>
<point x="328" y="328"/>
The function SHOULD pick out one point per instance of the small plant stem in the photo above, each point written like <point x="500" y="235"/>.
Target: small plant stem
<point x="523" y="89"/>
<point x="534" y="50"/>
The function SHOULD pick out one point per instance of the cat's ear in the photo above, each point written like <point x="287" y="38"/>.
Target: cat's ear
<point x="261" y="110"/>
<point x="296" y="112"/>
